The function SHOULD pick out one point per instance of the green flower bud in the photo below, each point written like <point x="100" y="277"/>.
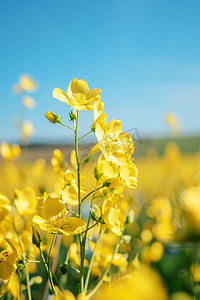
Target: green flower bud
<point x="53" y="118"/>
<point x="36" y="240"/>
<point x="130" y="217"/>
<point x="73" y="114"/>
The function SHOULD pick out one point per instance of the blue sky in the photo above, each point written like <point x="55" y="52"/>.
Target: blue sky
<point x="144" y="55"/>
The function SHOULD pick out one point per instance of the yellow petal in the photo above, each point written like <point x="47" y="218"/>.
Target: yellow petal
<point x="60" y="95"/>
<point x="114" y="127"/>
<point x="100" y="134"/>
<point x="77" y="86"/>
<point x="73" y="226"/>
<point x="126" y="142"/>
<point x="45" y="225"/>
<point x="98" y="109"/>
<point x="92" y="93"/>
<point x="38" y="220"/>
<point x="53" y="207"/>
<point x="95" y="149"/>
<point x="4" y="288"/>
<point x="120" y="159"/>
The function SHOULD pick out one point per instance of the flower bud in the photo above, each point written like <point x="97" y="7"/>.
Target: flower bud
<point x="126" y="239"/>
<point x="36" y="240"/>
<point x="53" y="118"/>
<point x="73" y="114"/>
<point x="96" y="213"/>
<point x="130" y="217"/>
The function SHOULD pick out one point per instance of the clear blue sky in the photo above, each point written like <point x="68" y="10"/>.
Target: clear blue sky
<point x="144" y="55"/>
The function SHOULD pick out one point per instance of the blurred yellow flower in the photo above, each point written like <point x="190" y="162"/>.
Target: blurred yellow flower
<point x="64" y="295"/>
<point x="10" y="152"/>
<point x="28" y="102"/>
<point x="26" y="83"/>
<point x="195" y="270"/>
<point x="54" y="219"/>
<point x="5" y="207"/>
<point x="156" y="251"/>
<point x="27" y="130"/>
<point x="57" y="160"/>
<point x="78" y="95"/>
<point x="173" y="123"/>
<point x="191" y="205"/>
<point x="67" y="295"/>
<point x="146" y="236"/>
<point x="25" y="201"/>
<point x="145" y="284"/>
<point x="119" y="261"/>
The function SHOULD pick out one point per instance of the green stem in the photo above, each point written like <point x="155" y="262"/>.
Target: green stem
<point x="88" y="224"/>
<point x="34" y="261"/>
<point x="79" y="201"/>
<point x="94" y="191"/>
<point x="84" y="135"/>
<point x="91" y="263"/>
<point x="66" y="125"/>
<point x="50" y="249"/>
<point x="89" y="217"/>
<point x="86" y="158"/>
<point x="28" y="283"/>
<point x="90" y="227"/>
<point x="78" y="164"/>
<point x="72" y="212"/>
<point x="48" y="273"/>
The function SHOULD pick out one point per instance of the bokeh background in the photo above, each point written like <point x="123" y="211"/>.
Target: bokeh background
<point x="144" y="55"/>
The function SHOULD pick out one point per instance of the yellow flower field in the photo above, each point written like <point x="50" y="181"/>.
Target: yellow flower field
<point x="100" y="226"/>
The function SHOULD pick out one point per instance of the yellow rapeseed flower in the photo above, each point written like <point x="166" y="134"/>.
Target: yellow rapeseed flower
<point x="78" y="95"/>
<point x="114" y="144"/>
<point x="111" y="216"/>
<point x="8" y="258"/>
<point x="54" y="219"/>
